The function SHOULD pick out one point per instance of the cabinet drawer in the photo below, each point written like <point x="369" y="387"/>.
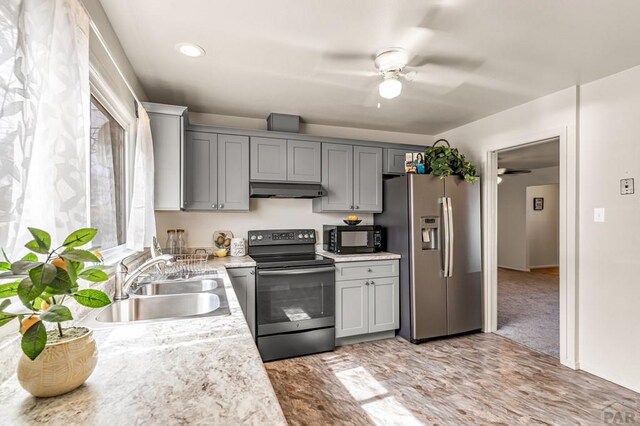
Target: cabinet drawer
<point x="369" y="269"/>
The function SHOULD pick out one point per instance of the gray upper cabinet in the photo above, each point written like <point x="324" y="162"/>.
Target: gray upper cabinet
<point x="367" y="179"/>
<point x="268" y="159"/>
<point x="217" y="172"/>
<point x="337" y="178"/>
<point x="233" y="172"/>
<point x="393" y="161"/>
<point x="167" y="131"/>
<point x="303" y="161"/>
<point x="284" y="160"/>
<point x="352" y="176"/>
<point x="202" y="171"/>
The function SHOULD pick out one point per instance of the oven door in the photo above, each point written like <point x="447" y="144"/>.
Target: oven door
<point x="295" y="299"/>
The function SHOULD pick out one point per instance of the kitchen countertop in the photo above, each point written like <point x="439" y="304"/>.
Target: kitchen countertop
<point x="381" y="255"/>
<point x="190" y="371"/>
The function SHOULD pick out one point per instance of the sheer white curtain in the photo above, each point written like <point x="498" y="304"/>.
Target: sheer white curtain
<point x="142" y="220"/>
<point x="44" y="119"/>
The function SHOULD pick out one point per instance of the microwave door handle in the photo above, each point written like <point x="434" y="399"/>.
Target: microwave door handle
<point x="296" y="271"/>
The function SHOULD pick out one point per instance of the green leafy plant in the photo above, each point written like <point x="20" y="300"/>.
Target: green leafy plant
<point x="445" y="161"/>
<point x="43" y="285"/>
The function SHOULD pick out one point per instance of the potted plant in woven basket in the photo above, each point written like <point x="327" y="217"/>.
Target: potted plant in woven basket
<point x="445" y="161"/>
<point x="55" y="360"/>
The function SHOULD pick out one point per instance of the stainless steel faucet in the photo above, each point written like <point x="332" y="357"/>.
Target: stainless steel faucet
<point x="124" y="280"/>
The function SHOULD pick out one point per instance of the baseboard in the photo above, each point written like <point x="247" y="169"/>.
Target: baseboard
<point x="514" y="269"/>
<point x="544" y="266"/>
<point x="342" y="341"/>
<point x="613" y="379"/>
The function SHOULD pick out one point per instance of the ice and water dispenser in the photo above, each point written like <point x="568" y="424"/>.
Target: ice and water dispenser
<point x="430" y="226"/>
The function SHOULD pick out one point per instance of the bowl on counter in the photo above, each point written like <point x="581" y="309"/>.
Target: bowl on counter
<point x="352" y="222"/>
<point x="220" y="252"/>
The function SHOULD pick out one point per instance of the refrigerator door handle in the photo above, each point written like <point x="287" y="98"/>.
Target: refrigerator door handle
<point x="445" y="237"/>
<point x="450" y="219"/>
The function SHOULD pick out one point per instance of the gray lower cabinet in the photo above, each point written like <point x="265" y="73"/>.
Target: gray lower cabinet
<point x="243" y="281"/>
<point x="217" y="172"/>
<point x="352" y="176"/>
<point x="393" y="161"/>
<point x="167" y="131"/>
<point x="369" y="300"/>
<point x="283" y="160"/>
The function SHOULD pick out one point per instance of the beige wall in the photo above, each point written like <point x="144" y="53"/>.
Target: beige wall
<point x="609" y="251"/>
<point x="513" y="207"/>
<point x="265" y="213"/>
<point x="314" y="129"/>
<point x="543" y="226"/>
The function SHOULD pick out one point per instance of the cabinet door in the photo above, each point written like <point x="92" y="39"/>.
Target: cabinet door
<point x="233" y="172"/>
<point x="303" y="161"/>
<point x="352" y="305"/>
<point x="201" y="171"/>
<point x="268" y="159"/>
<point x="394" y="160"/>
<point x="166" y="131"/>
<point x="337" y="178"/>
<point x="384" y="312"/>
<point x="367" y="179"/>
<point x="243" y="281"/>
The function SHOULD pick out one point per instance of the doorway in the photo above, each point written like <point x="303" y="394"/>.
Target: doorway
<point x="528" y="245"/>
<point x="568" y="235"/>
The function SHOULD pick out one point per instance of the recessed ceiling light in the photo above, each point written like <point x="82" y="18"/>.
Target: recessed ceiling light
<point x="190" y="49"/>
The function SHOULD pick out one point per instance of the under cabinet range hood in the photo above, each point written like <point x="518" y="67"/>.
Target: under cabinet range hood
<point x="285" y="190"/>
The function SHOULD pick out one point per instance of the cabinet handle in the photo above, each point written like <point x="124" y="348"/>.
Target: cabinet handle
<point x="357" y="207"/>
<point x="373" y="283"/>
<point x="220" y="206"/>
<point x="351" y="207"/>
<point x="367" y="283"/>
<point x="369" y="270"/>
<point x="252" y="272"/>
<point x="214" y="206"/>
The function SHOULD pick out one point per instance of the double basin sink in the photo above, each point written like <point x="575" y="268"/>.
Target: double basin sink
<point x="167" y="299"/>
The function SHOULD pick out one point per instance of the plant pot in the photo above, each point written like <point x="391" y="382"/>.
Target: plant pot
<point x="60" y="368"/>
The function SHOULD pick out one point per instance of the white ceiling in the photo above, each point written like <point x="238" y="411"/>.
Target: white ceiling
<point x="533" y="156"/>
<point x="296" y="57"/>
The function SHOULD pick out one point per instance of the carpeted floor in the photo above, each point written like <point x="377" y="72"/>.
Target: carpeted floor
<point x="529" y="309"/>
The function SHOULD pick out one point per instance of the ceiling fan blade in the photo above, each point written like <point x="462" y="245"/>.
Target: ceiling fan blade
<point x="348" y="56"/>
<point x="460" y="62"/>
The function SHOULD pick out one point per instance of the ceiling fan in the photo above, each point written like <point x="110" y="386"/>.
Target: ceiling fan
<point x="507" y="171"/>
<point x="420" y="55"/>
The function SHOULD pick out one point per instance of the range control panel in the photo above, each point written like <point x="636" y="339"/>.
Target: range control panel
<point x="281" y="237"/>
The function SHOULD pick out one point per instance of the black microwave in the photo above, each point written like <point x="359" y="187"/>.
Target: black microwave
<point x="342" y="239"/>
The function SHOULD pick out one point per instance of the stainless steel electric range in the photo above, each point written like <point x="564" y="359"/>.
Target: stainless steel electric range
<point x="295" y="294"/>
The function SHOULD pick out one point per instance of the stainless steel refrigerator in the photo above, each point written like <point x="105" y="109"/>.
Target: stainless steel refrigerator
<point x="434" y="224"/>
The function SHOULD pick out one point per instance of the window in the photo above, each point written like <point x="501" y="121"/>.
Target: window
<point x="107" y="182"/>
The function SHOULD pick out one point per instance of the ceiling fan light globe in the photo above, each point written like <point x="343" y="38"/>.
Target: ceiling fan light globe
<point x="390" y="88"/>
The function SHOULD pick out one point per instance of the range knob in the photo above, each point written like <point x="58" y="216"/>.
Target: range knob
<point x="253" y="238"/>
<point x="300" y="236"/>
<point x="306" y="235"/>
<point x="260" y="237"/>
<point x="311" y="234"/>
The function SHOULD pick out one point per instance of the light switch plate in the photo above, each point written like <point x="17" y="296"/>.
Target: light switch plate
<point x="598" y="214"/>
<point x="626" y="186"/>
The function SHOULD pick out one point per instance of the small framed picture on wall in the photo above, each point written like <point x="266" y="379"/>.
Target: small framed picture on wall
<point x="538" y="203"/>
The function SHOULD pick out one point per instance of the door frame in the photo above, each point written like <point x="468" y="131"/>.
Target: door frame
<point x="568" y="238"/>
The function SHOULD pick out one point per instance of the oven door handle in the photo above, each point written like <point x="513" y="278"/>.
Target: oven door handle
<point x="296" y="271"/>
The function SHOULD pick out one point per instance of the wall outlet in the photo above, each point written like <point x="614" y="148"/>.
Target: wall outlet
<point x="598" y="214"/>
<point x="626" y="186"/>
